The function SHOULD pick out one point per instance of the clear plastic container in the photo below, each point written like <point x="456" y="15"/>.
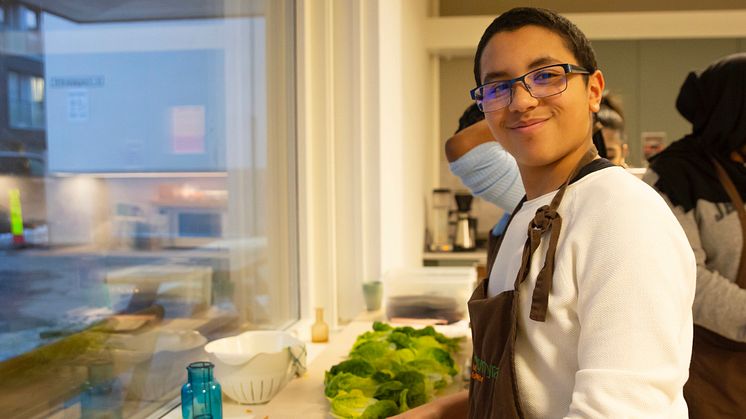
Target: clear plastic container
<point x="429" y="293"/>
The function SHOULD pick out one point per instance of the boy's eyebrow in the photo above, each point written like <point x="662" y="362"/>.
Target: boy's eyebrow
<point x="539" y="62"/>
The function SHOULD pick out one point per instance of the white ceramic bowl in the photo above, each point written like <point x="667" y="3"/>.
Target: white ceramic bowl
<point x="252" y="367"/>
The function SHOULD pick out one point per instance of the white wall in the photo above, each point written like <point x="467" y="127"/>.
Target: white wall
<point x="364" y="132"/>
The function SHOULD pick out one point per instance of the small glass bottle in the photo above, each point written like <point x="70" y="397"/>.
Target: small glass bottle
<point x="201" y="394"/>
<point x="103" y="396"/>
<point x="319" y="330"/>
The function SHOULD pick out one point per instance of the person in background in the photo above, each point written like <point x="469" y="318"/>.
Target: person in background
<point x="586" y="311"/>
<point x="703" y="178"/>
<point x="610" y="120"/>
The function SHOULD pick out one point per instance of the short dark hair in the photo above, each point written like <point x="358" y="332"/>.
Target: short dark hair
<point x="471" y="116"/>
<point x="516" y="18"/>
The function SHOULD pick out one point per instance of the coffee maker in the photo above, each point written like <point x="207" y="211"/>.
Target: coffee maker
<point x="466" y="226"/>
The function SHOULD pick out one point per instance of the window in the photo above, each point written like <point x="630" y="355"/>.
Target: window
<point x="29" y="18"/>
<point x="25" y="101"/>
<point x="166" y="215"/>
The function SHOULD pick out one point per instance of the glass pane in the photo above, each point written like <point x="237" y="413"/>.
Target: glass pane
<point x="147" y="197"/>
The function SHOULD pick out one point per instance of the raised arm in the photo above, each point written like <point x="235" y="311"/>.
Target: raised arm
<point x="489" y="171"/>
<point x="465" y="140"/>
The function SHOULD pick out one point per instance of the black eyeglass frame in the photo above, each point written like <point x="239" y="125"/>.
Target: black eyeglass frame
<point x="568" y="68"/>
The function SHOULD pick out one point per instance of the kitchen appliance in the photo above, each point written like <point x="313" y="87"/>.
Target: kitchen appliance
<point x="192" y="226"/>
<point x="466" y="226"/>
<point x="441" y="203"/>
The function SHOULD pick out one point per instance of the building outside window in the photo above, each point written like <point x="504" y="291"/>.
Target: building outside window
<point x="161" y="211"/>
<point x="25" y="101"/>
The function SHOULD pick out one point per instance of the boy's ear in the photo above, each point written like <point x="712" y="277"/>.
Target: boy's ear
<point x="596" y="85"/>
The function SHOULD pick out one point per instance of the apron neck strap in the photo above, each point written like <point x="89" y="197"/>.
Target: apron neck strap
<point x="735" y="198"/>
<point x="547" y="218"/>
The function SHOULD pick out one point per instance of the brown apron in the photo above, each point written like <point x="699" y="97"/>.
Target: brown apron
<point x="717" y="375"/>
<point x="493" y="392"/>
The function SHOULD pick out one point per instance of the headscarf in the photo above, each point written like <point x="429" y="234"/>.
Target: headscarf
<point x="715" y="104"/>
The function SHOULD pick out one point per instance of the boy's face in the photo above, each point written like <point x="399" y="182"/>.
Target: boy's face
<point x="539" y="132"/>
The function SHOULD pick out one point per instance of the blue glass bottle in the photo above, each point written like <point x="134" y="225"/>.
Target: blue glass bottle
<point x="102" y="396"/>
<point x="201" y="394"/>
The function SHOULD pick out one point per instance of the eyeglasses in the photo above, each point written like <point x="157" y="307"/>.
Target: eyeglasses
<point x="542" y="82"/>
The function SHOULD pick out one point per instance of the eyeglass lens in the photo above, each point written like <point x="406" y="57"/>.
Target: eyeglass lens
<point x="539" y="83"/>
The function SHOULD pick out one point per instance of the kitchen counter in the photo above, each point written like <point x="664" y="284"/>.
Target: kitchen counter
<point x="477" y="257"/>
<point x="303" y="397"/>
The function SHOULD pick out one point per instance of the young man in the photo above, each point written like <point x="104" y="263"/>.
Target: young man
<point x="588" y="314"/>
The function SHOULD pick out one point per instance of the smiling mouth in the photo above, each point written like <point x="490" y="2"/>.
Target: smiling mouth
<point x="528" y="124"/>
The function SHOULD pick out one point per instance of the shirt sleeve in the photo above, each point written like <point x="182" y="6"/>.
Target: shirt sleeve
<point x="491" y="173"/>
<point x="636" y="279"/>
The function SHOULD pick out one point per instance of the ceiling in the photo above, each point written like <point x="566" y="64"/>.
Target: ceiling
<point x="95" y="11"/>
<point x="494" y="7"/>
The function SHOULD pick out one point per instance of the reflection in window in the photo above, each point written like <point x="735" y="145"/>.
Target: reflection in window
<point x="29" y="18"/>
<point x="164" y="218"/>
<point x="25" y="100"/>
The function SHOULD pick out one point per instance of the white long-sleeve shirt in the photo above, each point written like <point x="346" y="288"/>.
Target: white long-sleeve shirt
<point x="618" y="335"/>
